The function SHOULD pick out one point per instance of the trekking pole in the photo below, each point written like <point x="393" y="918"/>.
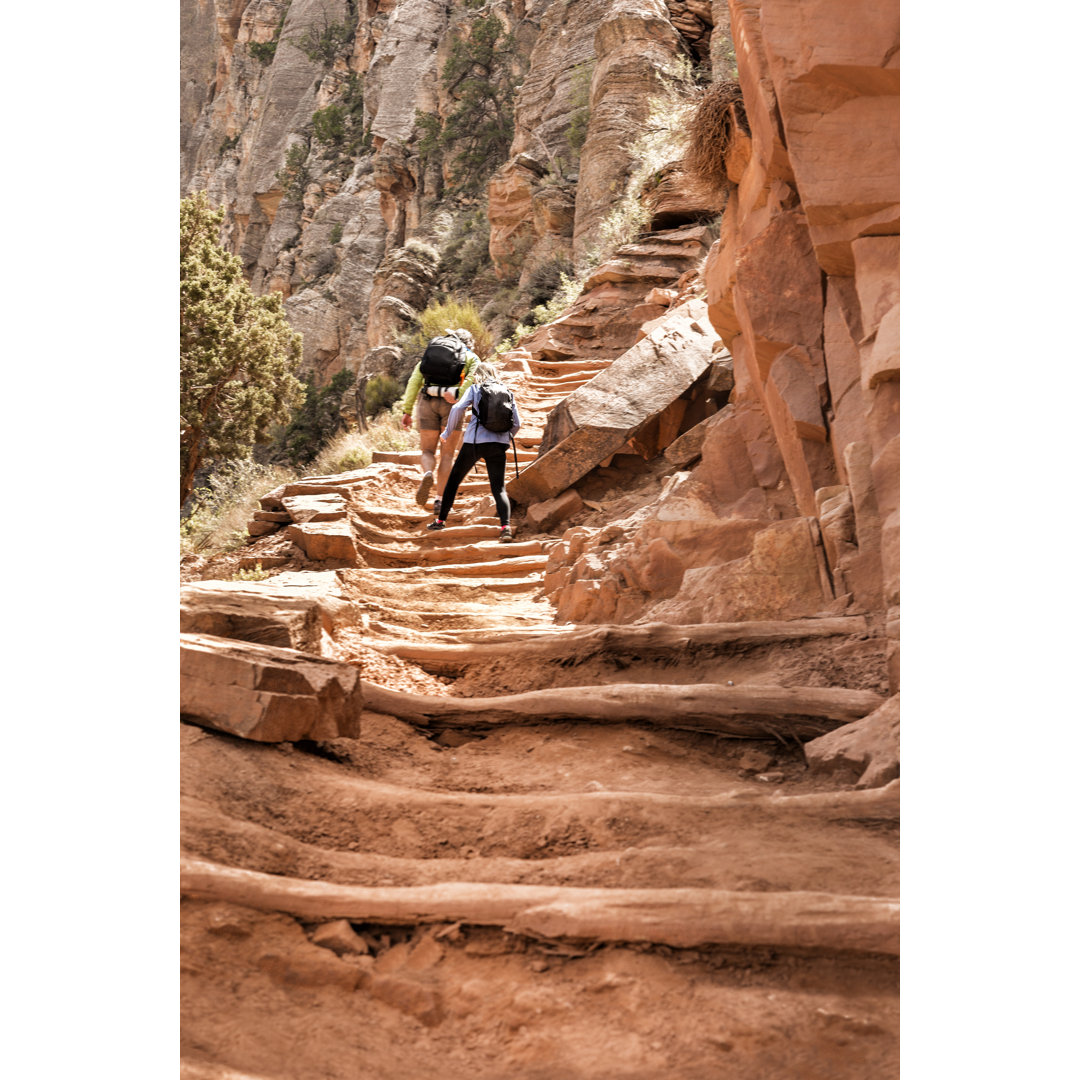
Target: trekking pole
<point x="513" y="443"/>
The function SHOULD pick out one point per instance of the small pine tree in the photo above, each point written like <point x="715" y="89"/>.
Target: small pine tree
<point x="238" y="353"/>
<point x="478" y="132"/>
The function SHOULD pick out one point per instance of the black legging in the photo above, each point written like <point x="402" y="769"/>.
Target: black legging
<point x="494" y="455"/>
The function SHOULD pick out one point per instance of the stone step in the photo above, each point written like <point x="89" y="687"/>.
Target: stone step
<point x="488" y="551"/>
<point x="529" y="564"/>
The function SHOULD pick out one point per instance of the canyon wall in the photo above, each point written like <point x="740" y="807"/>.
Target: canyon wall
<point x="789" y="505"/>
<point x="326" y="222"/>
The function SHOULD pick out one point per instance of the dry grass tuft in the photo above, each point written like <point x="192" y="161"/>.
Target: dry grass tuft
<point x="352" y="449"/>
<point x="712" y="130"/>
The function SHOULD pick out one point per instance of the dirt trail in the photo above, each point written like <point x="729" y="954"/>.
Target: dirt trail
<point x="272" y="991"/>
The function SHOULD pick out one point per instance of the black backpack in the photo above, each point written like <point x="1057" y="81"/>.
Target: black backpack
<point x="443" y="361"/>
<point x="494" y="406"/>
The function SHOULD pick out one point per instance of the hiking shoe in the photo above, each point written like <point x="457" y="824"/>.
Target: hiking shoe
<point x="437" y="506"/>
<point x="505" y="535"/>
<point x="424" y="488"/>
<point x="437" y="524"/>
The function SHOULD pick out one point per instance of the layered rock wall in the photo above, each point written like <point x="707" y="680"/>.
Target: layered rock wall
<point x="793" y="509"/>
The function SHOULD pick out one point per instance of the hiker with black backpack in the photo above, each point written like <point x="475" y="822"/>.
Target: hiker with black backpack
<point x="493" y="424"/>
<point x="444" y="373"/>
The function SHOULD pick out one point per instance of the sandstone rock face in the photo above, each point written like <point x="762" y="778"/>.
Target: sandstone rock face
<point x="266" y="694"/>
<point x="791" y="505"/>
<point x="822" y="366"/>
<point x="839" y="102"/>
<point x="634" y="42"/>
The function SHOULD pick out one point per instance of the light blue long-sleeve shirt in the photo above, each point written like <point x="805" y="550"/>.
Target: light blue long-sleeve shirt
<point x="476" y="432"/>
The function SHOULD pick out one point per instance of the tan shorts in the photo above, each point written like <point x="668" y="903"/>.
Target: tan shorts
<point x="432" y="413"/>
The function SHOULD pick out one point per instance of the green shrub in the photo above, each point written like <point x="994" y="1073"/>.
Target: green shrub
<point x="478" y="131"/>
<point x="568" y="291"/>
<point x="322" y="43"/>
<point x="265" y="51"/>
<point x="238" y="352"/>
<point x="258" y="574"/>
<point x="580" y="84"/>
<point x="450" y="314"/>
<point x="466" y="251"/>
<point x="293" y="176"/>
<point x="318" y="419"/>
<point x="380" y="393"/>
<point x="548" y="278"/>
<point x="336" y="232"/>
<point x="339" y="127"/>
<point x="328" y="125"/>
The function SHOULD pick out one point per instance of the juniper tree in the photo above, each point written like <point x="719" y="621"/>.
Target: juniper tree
<point x="238" y="353"/>
<point x="478" y="76"/>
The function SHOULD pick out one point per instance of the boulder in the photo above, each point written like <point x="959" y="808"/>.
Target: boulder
<point x="687" y="447"/>
<point x="341" y="938"/>
<point x="245" y="612"/>
<point x="544" y="515"/>
<point x="266" y="694"/>
<point x="597" y="420"/>
<point x="323" y="541"/>
<point x="866" y="751"/>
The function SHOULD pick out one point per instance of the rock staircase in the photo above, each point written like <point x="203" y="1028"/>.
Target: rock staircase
<point x="401" y="776"/>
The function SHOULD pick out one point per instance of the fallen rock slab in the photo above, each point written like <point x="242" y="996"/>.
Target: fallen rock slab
<point x="266" y="694"/>
<point x="682" y="918"/>
<point x="598" y="419"/>
<point x="868" y="749"/>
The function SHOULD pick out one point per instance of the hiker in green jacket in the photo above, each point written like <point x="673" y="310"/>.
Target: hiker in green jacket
<point x="432" y="406"/>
